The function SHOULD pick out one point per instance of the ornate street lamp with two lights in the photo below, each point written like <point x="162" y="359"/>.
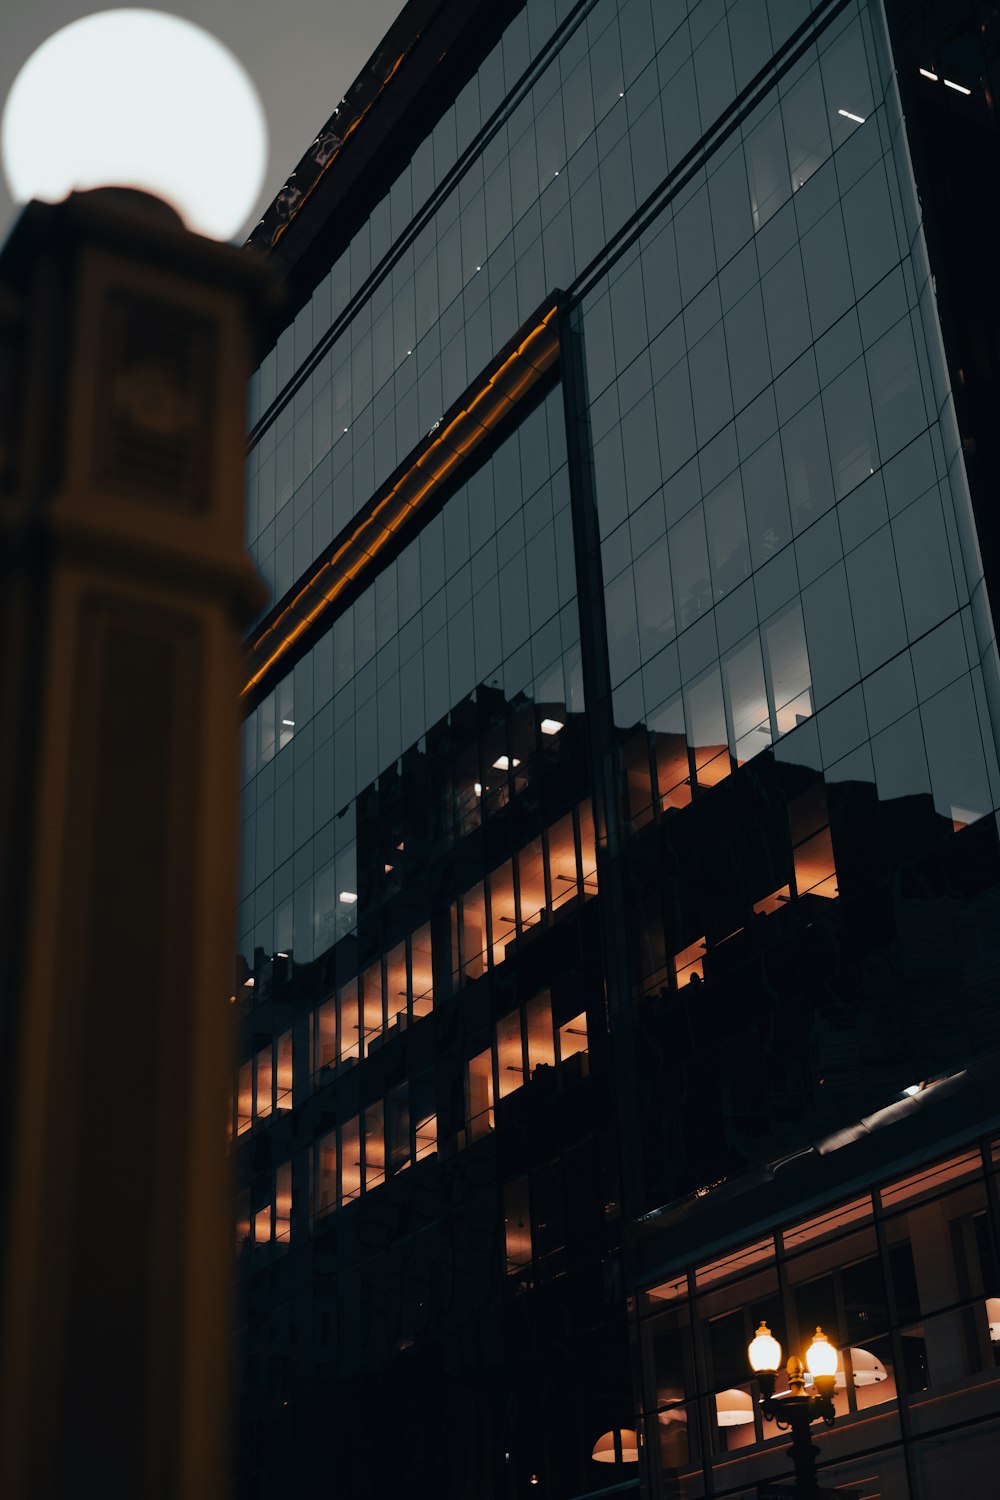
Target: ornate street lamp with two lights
<point x="797" y="1408"/>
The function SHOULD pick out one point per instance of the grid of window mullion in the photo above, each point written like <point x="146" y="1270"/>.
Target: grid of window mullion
<point x="894" y="1327"/>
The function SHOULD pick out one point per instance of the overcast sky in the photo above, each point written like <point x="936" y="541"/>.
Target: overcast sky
<point x="302" y="54"/>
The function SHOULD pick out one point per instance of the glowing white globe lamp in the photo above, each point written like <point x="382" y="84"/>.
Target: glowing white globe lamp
<point x="821" y="1357"/>
<point x="138" y="99"/>
<point x="764" y="1351"/>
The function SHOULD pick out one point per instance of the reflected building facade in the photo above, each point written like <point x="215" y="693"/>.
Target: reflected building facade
<point x="618" y="949"/>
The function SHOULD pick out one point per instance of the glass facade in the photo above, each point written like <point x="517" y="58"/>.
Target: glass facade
<point x="620" y="860"/>
<point x="905" y="1282"/>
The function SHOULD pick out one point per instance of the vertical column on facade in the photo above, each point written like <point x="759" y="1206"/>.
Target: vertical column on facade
<point x="607" y="802"/>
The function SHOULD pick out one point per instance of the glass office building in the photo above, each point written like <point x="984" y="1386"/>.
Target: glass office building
<point x="618" y="952"/>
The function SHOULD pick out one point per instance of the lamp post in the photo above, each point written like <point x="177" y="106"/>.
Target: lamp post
<point x="797" y="1409"/>
<point x="126" y="341"/>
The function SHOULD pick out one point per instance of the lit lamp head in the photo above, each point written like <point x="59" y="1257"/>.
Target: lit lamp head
<point x="764" y="1354"/>
<point x="821" y="1362"/>
<point x="143" y="100"/>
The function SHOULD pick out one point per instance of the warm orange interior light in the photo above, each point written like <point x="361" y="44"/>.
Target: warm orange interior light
<point x="690" y="961"/>
<point x="573" y="1037"/>
<point x="609" y="1451"/>
<point x="774" y="902"/>
<point x="815" y="871"/>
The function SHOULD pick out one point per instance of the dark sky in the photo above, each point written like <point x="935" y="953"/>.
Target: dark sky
<point x="302" y="54"/>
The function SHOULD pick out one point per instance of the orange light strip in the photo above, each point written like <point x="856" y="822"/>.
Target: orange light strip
<point x="517" y="374"/>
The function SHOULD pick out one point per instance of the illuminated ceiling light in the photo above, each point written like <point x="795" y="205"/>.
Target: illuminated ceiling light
<point x="926" y="73"/>
<point x="551" y="726"/>
<point x="349" y="898"/>
<point x="993" y="1317"/>
<point x="504" y="763"/>
<point x="603" y="1451"/>
<point x="387" y="869"/>
<point x="621" y="93"/>
<point x="478" y="788"/>
<point x="958" y="87"/>
<point x="865" y="1368"/>
<point x="557" y="171"/>
<point x="281" y="955"/>
<point x="911" y="1089"/>
<point x="289" y="723"/>
<point x="115" y="76"/>
<point x="733" y="1408"/>
<point x="248" y="983"/>
<point x="858" y="119"/>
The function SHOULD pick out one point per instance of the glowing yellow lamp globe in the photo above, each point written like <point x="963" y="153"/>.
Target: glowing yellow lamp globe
<point x="764" y="1351"/>
<point x="139" y="99"/>
<point x="821" y="1357"/>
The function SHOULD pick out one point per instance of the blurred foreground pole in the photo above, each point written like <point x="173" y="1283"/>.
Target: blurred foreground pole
<point x="125" y="346"/>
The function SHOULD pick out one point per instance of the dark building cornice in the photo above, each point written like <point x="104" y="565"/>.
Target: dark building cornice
<point x="386" y="112"/>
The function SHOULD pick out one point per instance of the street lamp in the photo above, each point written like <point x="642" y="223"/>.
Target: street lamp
<point x="126" y="341"/>
<point x="797" y="1408"/>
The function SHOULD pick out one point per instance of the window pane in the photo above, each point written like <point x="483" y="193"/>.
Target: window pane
<point x="673" y="775"/>
<point x="326" y="1173"/>
<point x="562" y="861"/>
<point x="325" y="1054"/>
<point x="706" y="719"/>
<point x="767" y="169"/>
<point x="396" y="988"/>
<point x="422" y="971"/>
<point x="502" y="910"/>
<point x="350" y="1160"/>
<point x="424" y="1114"/>
<point x="479" y="1095"/>
<point x="372" y="1010"/>
<point x="472" y="938"/>
<point x="244" y="1098"/>
<point x="538" y="1024"/>
<point x="588" y="849"/>
<point x="815" y="871"/>
<point x="531" y="874"/>
<point x="350" y="1022"/>
<point x="743" y="673"/>
<point x="265" y="1083"/>
<point x="728" y="547"/>
<point x="788" y="668"/>
<point x="510" y="1055"/>
<point x="283" y="1072"/>
<point x="397" y="1107"/>
<point x="283" y="1202"/>
<point x="573" y="1037"/>
<point x="374" y="1145"/>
